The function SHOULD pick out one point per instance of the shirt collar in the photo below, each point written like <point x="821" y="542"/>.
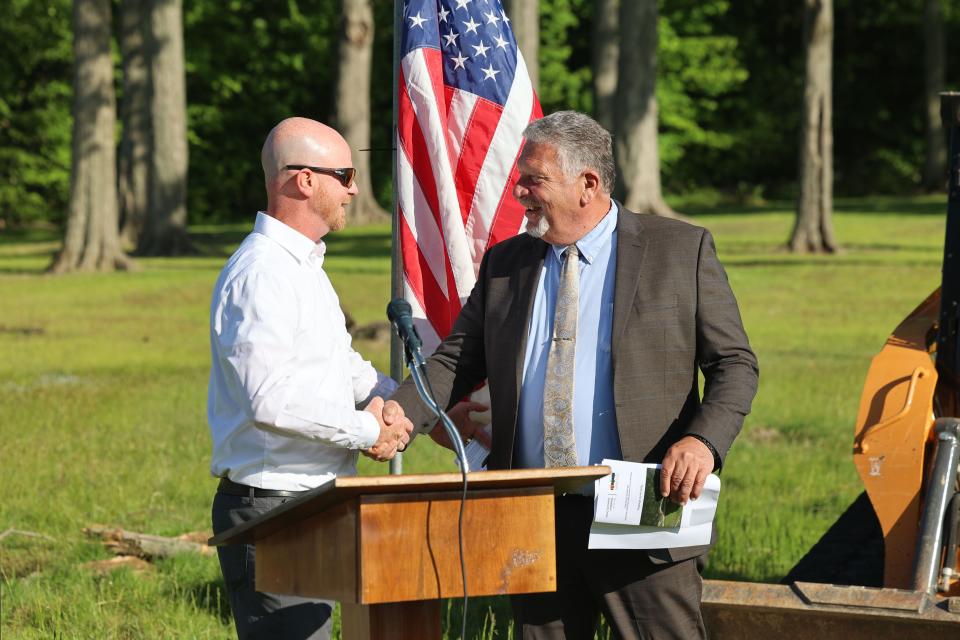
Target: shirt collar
<point x="589" y="245"/>
<point x="300" y="246"/>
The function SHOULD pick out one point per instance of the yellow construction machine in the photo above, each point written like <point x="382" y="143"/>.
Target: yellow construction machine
<point x="888" y="568"/>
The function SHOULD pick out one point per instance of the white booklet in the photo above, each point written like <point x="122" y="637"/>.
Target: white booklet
<point x="630" y="513"/>
<point x="476" y="454"/>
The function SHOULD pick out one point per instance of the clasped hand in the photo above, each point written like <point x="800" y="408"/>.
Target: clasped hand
<point x="395" y="429"/>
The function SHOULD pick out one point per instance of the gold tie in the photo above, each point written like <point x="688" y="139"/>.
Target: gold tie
<point x="559" y="442"/>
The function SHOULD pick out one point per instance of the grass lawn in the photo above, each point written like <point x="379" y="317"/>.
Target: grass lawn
<point x="103" y="388"/>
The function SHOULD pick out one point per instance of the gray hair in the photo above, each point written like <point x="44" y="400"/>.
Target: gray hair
<point x="581" y="144"/>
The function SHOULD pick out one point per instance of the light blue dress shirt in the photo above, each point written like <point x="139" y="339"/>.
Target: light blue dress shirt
<point x="594" y="419"/>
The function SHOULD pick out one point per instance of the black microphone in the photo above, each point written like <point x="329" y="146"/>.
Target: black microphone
<point x="400" y="313"/>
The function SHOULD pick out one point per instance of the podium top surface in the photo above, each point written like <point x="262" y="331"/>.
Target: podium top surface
<point x="342" y="489"/>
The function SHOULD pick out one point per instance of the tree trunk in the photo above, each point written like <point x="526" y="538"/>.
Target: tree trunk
<point x="635" y="139"/>
<point x="525" y="21"/>
<point x="134" y="162"/>
<point x="813" y="230"/>
<point x="935" y="165"/>
<point x="353" y="103"/>
<point x="606" y="55"/>
<point x="166" y="229"/>
<point x="92" y="241"/>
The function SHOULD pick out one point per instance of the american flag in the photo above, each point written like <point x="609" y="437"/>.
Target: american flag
<point x="464" y="100"/>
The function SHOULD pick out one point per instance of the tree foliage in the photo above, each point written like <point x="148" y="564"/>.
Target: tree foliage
<point x="699" y="68"/>
<point x="729" y="87"/>
<point x="35" y="121"/>
<point x="249" y="65"/>
<point x="565" y="55"/>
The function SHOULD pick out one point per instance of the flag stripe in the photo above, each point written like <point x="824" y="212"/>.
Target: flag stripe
<point x="459" y="109"/>
<point x="464" y="99"/>
<point x="493" y="185"/>
<point x="421" y="223"/>
<point x="423" y="101"/>
<point x="420" y="279"/>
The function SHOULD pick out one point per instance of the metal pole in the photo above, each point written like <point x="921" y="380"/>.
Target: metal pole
<point x="943" y="476"/>
<point x="396" y="267"/>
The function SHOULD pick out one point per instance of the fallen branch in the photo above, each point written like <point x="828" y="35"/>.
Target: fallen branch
<point x="137" y="565"/>
<point x="29" y="534"/>
<point x="143" y="545"/>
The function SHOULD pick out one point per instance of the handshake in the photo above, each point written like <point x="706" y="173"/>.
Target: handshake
<point x="395" y="429"/>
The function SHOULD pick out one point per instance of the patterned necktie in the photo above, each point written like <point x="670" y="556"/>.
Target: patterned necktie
<point x="559" y="443"/>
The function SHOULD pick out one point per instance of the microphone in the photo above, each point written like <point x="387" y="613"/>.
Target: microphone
<point x="400" y="314"/>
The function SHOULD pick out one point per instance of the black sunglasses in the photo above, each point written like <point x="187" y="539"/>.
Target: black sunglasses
<point x="345" y="175"/>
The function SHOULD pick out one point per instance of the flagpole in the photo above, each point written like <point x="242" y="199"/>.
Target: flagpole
<point x="396" y="268"/>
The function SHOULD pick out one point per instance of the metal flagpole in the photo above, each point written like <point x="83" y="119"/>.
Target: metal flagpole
<point x="396" y="267"/>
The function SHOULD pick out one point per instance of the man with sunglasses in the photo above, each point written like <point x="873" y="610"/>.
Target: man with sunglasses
<point x="286" y="387"/>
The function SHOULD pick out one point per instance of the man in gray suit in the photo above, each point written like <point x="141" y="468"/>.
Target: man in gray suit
<point x="592" y="327"/>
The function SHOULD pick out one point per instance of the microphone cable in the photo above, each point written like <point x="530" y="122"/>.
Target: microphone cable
<point x="399" y="313"/>
<point x="463" y="502"/>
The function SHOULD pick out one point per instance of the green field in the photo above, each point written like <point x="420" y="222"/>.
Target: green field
<point x="103" y="388"/>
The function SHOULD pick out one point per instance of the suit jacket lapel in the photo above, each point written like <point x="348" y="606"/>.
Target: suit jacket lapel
<point x="631" y="246"/>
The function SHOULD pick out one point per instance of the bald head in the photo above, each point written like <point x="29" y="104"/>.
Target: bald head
<point x="299" y="141"/>
<point x="310" y="201"/>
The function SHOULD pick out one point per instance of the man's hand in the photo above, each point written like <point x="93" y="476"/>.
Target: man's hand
<point x="395" y="429"/>
<point x="685" y="469"/>
<point x="469" y="429"/>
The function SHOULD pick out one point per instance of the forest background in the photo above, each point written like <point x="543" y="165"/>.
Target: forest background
<point x="103" y="375"/>
<point x="730" y="86"/>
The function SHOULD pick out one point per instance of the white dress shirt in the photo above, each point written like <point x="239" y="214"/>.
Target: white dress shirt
<point x="285" y="382"/>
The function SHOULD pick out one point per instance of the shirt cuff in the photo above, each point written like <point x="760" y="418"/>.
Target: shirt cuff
<point x="369" y="430"/>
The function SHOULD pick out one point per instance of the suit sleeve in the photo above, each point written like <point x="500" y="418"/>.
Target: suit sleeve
<point x="724" y="356"/>
<point x="457" y="366"/>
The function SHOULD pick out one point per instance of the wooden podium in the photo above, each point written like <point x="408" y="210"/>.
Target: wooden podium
<point x="386" y="547"/>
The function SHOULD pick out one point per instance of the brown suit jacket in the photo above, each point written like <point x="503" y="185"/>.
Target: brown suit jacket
<point x="673" y="314"/>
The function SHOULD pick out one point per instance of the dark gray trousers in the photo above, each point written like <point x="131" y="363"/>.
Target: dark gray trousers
<point x="638" y="598"/>
<point x="258" y="615"/>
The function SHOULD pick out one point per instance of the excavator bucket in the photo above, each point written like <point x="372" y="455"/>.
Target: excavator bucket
<point x="809" y="611"/>
<point x="888" y="568"/>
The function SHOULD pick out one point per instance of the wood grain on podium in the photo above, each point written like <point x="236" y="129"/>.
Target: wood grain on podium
<point x="407" y="548"/>
<point x="410" y="545"/>
<point x="315" y="558"/>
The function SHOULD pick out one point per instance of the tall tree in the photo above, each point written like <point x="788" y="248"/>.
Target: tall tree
<point x="525" y="20"/>
<point x="92" y="241"/>
<point x="353" y="102"/>
<point x="134" y="161"/>
<point x="635" y="141"/>
<point x="166" y="229"/>
<point x="935" y="165"/>
<point x="606" y="56"/>
<point x="813" y="229"/>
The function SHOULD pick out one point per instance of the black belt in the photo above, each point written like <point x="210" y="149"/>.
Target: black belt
<point x="232" y="488"/>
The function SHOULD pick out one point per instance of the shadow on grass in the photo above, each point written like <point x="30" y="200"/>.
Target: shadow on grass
<point x="210" y="596"/>
<point x="927" y="206"/>
<point x="21" y="235"/>
<point x="785" y="262"/>
<point x="920" y="206"/>
<point x="736" y="209"/>
<point x="360" y="244"/>
<point x="32" y="270"/>
<point x="487" y="617"/>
